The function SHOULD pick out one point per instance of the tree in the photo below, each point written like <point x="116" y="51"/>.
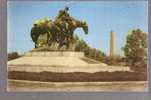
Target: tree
<point x="135" y="49"/>
<point x="88" y="51"/>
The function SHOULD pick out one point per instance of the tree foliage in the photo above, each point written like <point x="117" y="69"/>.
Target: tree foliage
<point x="135" y="49"/>
<point x="116" y="60"/>
<point x="88" y="51"/>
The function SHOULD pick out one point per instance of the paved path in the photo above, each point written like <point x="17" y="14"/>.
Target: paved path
<point x="20" y="85"/>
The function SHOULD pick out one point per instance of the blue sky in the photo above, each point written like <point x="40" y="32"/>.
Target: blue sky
<point x="101" y="17"/>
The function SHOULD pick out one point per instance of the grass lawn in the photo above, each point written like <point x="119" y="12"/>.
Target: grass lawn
<point x="78" y="76"/>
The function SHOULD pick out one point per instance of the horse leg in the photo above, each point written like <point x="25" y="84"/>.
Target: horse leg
<point x="48" y="37"/>
<point x="35" y="44"/>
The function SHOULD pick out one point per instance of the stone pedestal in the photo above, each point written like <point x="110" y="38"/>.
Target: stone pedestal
<point x="55" y="54"/>
<point x="60" y="61"/>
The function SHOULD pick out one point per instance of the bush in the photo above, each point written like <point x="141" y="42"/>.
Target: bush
<point x="116" y="60"/>
<point x="13" y="55"/>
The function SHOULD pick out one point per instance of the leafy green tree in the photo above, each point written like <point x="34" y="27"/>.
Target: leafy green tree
<point x="88" y="51"/>
<point x="135" y="49"/>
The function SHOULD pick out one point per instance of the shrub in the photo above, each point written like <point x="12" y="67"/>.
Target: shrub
<point x="13" y="55"/>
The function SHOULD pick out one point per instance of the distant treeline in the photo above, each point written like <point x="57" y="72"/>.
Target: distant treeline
<point x="135" y="51"/>
<point x="96" y="54"/>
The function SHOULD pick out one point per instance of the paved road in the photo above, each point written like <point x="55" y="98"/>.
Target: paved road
<point x="19" y="85"/>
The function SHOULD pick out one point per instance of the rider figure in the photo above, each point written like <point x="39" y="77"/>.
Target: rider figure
<point x="62" y="19"/>
<point x="63" y="14"/>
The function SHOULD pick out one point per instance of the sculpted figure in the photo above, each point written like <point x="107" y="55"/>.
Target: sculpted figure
<point x="63" y="14"/>
<point x="60" y="31"/>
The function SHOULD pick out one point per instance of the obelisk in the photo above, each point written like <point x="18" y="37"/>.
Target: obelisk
<point x="112" y="44"/>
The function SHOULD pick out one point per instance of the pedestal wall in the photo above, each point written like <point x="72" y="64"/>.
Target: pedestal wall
<point x="56" y="53"/>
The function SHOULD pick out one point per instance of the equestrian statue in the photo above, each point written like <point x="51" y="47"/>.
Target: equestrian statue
<point x="57" y="34"/>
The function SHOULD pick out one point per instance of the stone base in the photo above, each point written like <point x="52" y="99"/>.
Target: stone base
<point x="60" y="62"/>
<point x="56" y="54"/>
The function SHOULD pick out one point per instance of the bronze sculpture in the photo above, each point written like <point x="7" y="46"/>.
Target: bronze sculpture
<point x="58" y="33"/>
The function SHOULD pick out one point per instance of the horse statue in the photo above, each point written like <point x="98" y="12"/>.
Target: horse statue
<point x="60" y="31"/>
<point x="67" y="39"/>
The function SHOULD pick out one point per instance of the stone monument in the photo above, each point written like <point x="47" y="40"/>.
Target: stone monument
<point x="54" y="49"/>
<point x="57" y="34"/>
<point x="112" y="44"/>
